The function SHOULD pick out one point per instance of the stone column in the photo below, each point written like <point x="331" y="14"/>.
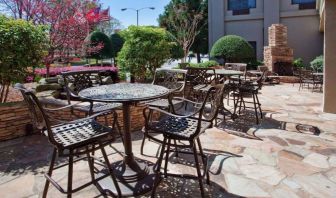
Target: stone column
<point x="216" y="14"/>
<point x="329" y="99"/>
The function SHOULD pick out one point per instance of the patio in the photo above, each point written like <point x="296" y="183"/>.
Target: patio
<point x="272" y="159"/>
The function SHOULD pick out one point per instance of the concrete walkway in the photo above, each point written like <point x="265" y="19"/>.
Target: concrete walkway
<point x="292" y="153"/>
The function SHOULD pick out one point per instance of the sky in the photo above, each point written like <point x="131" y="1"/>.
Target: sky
<point x="128" y="17"/>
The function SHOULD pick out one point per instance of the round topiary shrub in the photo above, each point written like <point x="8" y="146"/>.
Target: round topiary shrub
<point x="99" y="38"/>
<point x="232" y="48"/>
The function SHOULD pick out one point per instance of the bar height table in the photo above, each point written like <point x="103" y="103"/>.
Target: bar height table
<point x="134" y="178"/>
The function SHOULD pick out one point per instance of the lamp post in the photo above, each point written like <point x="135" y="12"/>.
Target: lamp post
<point x="137" y="11"/>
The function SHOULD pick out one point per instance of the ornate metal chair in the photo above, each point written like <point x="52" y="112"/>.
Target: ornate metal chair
<point x="246" y="89"/>
<point x="70" y="139"/>
<point x="76" y="81"/>
<point x="200" y="80"/>
<point x="174" y="80"/>
<point x="187" y="129"/>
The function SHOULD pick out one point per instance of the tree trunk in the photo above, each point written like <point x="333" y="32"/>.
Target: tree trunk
<point x="198" y="57"/>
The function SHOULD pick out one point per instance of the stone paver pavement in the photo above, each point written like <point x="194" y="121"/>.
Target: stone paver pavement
<point x="281" y="157"/>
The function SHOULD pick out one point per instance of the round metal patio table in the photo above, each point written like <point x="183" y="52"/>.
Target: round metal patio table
<point x="134" y="178"/>
<point x="226" y="72"/>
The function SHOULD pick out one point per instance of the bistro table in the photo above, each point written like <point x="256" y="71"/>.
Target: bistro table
<point x="134" y="178"/>
<point x="227" y="73"/>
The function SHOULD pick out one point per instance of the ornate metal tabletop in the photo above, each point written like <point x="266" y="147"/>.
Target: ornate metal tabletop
<point x="226" y="72"/>
<point x="124" y="92"/>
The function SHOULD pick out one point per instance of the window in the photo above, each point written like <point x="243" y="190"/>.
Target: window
<point x="305" y="4"/>
<point x="236" y="5"/>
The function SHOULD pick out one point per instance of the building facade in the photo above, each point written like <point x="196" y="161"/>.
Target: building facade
<point x="252" y="18"/>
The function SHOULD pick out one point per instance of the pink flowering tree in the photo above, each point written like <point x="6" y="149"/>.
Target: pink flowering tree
<point x="68" y="24"/>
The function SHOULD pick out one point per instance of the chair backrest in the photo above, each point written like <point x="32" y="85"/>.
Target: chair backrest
<point x="38" y="115"/>
<point x="211" y="105"/>
<point x="76" y="81"/>
<point x="198" y="76"/>
<point x="108" y="74"/>
<point x="173" y="79"/>
<point x="262" y="68"/>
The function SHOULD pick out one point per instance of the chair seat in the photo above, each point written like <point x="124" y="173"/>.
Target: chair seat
<point x="98" y="107"/>
<point x="202" y="87"/>
<point x="178" y="128"/>
<point x="162" y="103"/>
<point x="78" y="134"/>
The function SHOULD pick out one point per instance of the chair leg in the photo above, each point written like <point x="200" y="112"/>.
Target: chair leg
<point x="259" y="106"/>
<point x="51" y="168"/>
<point x="70" y="173"/>
<point x="176" y="150"/>
<point x="142" y="144"/>
<point x="158" y="167"/>
<point x="199" y="175"/>
<point x="255" y="109"/>
<point x="115" y="182"/>
<point x="166" y="160"/>
<point x="205" y="163"/>
<point x="91" y="167"/>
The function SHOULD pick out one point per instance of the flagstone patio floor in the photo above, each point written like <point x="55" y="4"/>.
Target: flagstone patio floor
<point x="278" y="158"/>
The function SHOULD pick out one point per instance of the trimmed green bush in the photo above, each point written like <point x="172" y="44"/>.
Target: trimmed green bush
<point x="117" y="43"/>
<point x="298" y="63"/>
<point x="206" y="64"/>
<point x="317" y="64"/>
<point x="145" y="48"/>
<point x="97" y="38"/>
<point x="232" y="48"/>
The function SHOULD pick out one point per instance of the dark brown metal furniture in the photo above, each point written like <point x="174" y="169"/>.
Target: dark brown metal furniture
<point x="187" y="129"/>
<point x="172" y="79"/>
<point x="134" y="178"/>
<point x="249" y="89"/>
<point x="199" y="81"/>
<point x="76" y="81"/>
<point x="71" y="139"/>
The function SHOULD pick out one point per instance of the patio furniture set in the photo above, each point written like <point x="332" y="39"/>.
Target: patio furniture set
<point x="310" y="79"/>
<point x="188" y="101"/>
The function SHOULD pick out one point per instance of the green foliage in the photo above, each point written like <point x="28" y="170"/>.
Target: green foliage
<point x="206" y="64"/>
<point x="145" y="48"/>
<point x="232" y="48"/>
<point x="97" y="38"/>
<point x="253" y="65"/>
<point x="317" y="64"/>
<point x="117" y="44"/>
<point x="187" y="21"/>
<point x="298" y="63"/>
<point x="22" y="45"/>
<point x="176" y="50"/>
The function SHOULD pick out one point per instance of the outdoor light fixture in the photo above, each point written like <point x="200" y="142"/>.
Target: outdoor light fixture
<point x="137" y="11"/>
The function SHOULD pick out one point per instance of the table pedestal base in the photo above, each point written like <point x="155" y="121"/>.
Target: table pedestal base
<point x="131" y="183"/>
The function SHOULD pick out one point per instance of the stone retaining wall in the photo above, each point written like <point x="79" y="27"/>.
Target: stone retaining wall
<point x="14" y="120"/>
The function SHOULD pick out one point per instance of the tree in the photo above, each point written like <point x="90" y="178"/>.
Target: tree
<point x="22" y="45"/>
<point x="68" y="23"/>
<point x="183" y="19"/>
<point x="99" y="38"/>
<point x="201" y="43"/>
<point x="111" y="26"/>
<point x="117" y="44"/>
<point x="145" y="49"/>
<point x="232" y="48"/>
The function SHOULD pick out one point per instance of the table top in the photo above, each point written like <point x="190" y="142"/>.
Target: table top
<point x="227" y="72"/>
<point x="124" y="92"/>
<point x="318" y="74"/>
<point x="255" y="72"/>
